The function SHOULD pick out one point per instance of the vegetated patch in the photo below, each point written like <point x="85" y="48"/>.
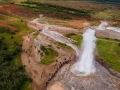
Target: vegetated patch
<point x="2" y="17"/>
<point x="12" y="73"/>
<point x="76" y="37"/>
<point x="36" y="34"/>
<point x="21" y="27"/>
<point x="50" y="54"/>
<point x="110" y="52"/>
<point x="26" y="85"/>
<point x="107" y="14"/>
<point x="62" y="45"/>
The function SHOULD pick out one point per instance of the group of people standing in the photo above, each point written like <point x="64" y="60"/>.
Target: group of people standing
<point x="57" y="69"/>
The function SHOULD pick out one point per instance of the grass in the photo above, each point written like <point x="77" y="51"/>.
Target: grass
<point x="64" y="46"/>
<point x="107" y="49"/>
<point x="36" y="34"/>
<point x="107" y="14"/>
<point x="5" y="35"/>
<point x="2" y="17"/>
<point x="26" y="85"/>
<point x="50" y="54"/>
<point x="21" y="27"/>
<point x="76" y="37"/>
<point x="110" y="52"/>
<point x="16" y="60"/>
<point x="10" y="39"/>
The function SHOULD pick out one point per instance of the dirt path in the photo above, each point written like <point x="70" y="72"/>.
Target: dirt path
<point x="32" y="67"/>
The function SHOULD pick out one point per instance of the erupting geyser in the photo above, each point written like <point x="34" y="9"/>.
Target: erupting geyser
<point x="85" y="62"/>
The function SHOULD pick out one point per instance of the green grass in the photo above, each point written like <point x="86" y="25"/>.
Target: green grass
<point x="36" y="34"/>
<point x="50" y="54"/>
<point x="10" y="38"/>
<point x="64" y="46"/>
<point x="12" y="42"/>
<point x="107" y="14"/>
<point x="107" y="49"/>
<point x="26" y="85"/>
<point x="21" y="27"/>
<point x="9" y="41"/>
<point x="16" y="60"/>
<point x="110" y="52"/>
<point x="75" y="37"/>
<point x="13" y="38"/>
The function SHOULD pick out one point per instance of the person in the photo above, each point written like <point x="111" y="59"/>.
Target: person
<point x="29" y="61"/>
<point x="46" y="84"/>
<point x="64" y="58"/>
<point x="102" y="62"/>
<point x="41" y="76"/>
<point x="56" y="60"/>
<point x="21" y="20"/>
<point x="49" y="79"/>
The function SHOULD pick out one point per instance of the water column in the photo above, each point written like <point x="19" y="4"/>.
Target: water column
<point x="85" y="63"/>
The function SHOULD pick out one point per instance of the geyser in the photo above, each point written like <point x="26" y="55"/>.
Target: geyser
<point x="85" y="63"/>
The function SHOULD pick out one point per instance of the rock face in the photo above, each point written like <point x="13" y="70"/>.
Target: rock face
<point x="100" y="80"/>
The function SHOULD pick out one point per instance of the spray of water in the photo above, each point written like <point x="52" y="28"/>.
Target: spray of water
<point x="85" y="62"/>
